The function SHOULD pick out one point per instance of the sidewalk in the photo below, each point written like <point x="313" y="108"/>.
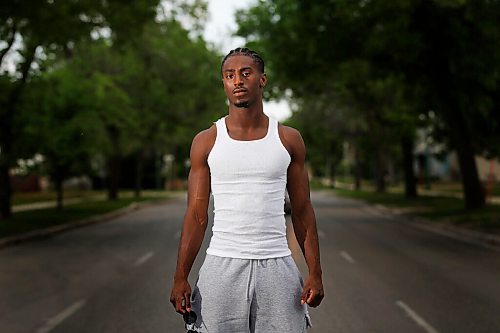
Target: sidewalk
<point x="488" y="240"/>
<point x="53" y="203"/>
<point x="478" y="237"/>
<point x="431" y="193"/>
<point x="490" y="200"/>
<point x="43" y="205"/>
<point x="59" y="228"/>
<point x="50" y="231"/>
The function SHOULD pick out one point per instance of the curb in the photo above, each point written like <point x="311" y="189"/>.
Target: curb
<point x="487" y="240"/>
<point x="60" y="228"/>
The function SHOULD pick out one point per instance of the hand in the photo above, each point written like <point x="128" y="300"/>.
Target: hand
<point x="313" y="292"/>
<point x="180" y="297"/>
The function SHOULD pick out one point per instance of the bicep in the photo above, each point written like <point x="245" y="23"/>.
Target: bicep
<point x="297" y="177"/>
<point x="199" y="178"/>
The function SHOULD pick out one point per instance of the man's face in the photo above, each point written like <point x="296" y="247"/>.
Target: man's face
<point x="243" y="81"/>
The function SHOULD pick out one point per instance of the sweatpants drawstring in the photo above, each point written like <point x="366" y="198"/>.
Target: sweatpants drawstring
<point x="250" y="273"/>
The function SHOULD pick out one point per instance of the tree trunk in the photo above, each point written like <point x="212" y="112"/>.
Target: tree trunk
<point x="139" y="174"/>
<point x="113" y="177"/>
<point x="5" y="191"/>
<point x="409" y="171"/>
<point x="333" y="175"/>
<point x="448" y="91"/>
<point x="357" y="169"/>
<point x="7" y="135"/>
<point x="59" y="188"/>
<point x="380" y="171"/>
<point x="472" y="188"/>
<point x="5" y="161"/>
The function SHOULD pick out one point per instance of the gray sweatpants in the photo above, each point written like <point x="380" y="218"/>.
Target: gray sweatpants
<point x="249" y="295"/>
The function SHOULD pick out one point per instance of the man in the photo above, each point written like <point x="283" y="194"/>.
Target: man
<point x="248" y="282"/>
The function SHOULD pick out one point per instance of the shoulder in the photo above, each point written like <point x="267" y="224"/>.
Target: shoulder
<point x="291" y="139"/>
<point x="203" y="142"/>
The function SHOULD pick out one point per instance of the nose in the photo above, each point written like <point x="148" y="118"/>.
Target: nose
<point x="238" y="80"/>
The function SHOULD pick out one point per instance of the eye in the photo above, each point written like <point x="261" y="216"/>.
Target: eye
<point x="246" y="74"/>
<point x="229" y="76"/>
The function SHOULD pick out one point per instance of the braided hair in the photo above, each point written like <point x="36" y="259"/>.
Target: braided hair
<point x="246" y="52"/>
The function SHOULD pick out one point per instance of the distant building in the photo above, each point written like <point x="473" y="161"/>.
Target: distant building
<point x="442" y="165"/>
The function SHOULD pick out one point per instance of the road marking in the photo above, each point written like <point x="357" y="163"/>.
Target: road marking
<point x="54" y="321"/>
<point x="413" y="315"/>
<point x="321" y="234"/>
<point x="144" y="258"/>
<point x="347" y="257"/>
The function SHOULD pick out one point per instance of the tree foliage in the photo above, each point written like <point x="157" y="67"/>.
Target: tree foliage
<point x="394" y="61"/>
<point x="99" y="81"/>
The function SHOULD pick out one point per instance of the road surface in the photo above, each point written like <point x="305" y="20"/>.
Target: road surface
<point x="380" y="275"/>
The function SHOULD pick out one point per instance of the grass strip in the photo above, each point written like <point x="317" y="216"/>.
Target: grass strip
<point x="27" y="221"/>
<point x="438" y="209"/>
<point x="21" y="198"/>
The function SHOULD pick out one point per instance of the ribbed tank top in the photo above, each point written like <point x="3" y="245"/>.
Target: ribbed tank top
<point x="248" y="180"/>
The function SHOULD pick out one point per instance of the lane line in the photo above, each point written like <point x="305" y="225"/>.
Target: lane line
<point x="347" y="257"/>
<point x="144" y="258"/>
<point x="62" y="316"/>
<point x="416" y="318"/>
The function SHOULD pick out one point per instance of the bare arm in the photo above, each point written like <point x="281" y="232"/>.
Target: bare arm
<point x="303" y="219"/>
<point x="195" y="219"/>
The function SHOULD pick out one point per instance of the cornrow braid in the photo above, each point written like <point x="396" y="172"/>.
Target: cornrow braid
<point x="246" y="52"/>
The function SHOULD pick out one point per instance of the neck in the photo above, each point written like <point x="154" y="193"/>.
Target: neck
<point x="252" y="116"/>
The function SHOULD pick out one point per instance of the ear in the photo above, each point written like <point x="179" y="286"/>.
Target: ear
<point x="263" y="80"/>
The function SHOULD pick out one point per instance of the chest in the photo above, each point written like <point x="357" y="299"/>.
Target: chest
<point x="254" y="159"/>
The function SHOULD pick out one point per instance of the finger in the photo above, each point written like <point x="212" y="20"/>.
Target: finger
<point x="303" y="297"/>
<point x="311" y="297"/>
<point x="318" y="297"/>
<point x="173" y="300"/>
<point x="187" y="297"/>
<point x="179" y="305"/>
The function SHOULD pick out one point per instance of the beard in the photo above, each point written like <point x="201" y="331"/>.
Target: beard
<point x="242" y="104"/>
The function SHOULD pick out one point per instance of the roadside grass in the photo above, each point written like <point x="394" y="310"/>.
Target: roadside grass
<point x="448" y="187"/>
<point x="438" y="209"/>
<point x="20" y="198"/>
<point x="26" y="221"/>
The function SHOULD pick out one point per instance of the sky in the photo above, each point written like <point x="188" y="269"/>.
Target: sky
<point x="219" y="29"/>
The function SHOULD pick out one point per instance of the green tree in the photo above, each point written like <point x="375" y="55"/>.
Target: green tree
<point x="46" y="29"/>
<point x="331" y="66"/>
<point x="61" y="125"/>
<point x="443" y="54"/>
<point x="459" y="63"/>
<point x="173" y="82"/>
<point x="102" y="69"/>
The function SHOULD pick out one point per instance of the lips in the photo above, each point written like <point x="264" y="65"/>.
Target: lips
<point x="239" y="91"/>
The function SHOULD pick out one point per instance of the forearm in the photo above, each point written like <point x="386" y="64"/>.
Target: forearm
<point x="193" y="232"/>
<point x="305" y="229"/>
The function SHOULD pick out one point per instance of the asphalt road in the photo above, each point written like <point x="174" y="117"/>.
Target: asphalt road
<point x="380" y="275"/>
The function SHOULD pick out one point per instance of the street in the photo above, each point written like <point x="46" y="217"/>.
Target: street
<point x="380" y="275"/>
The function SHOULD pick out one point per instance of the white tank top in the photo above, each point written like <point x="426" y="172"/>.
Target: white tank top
<point x="248" y="180"/>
